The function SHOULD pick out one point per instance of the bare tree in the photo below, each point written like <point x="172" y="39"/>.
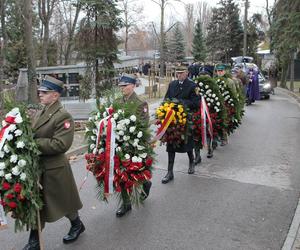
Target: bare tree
<point x="31" y="62"/>
<point x="45" y="8"/>
<point x="4" y="40"/>
<point x="204" y="15"/>
<point x="189" y="27"/>
<point x="131" y="16"/>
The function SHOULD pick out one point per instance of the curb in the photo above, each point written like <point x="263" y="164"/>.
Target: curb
<point x="293" y="231"/>
<point x="290" y="93"/>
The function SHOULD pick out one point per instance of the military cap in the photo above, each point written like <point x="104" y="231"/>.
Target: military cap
<point x="220" y="67"/>
<point x="180" y="68"/>
<point x="127" y="79"/>
<point x="51" y="84"/>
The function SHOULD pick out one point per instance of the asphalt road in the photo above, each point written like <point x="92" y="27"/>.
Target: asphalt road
<point x="243" y="198"/>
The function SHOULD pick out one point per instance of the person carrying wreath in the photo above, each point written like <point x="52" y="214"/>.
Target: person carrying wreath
<point x="182" y="89"/>
<point x="54" y="132"/>
<point x="127" y="84"/>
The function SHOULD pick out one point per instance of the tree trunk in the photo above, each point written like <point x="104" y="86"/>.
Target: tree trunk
<point x="71" y="35"/>
<point x="284" y="72"/>
<point x="4" y="42"/>
<point x="292" y="76"/>
<point x="126" y="40"/>
<point x="32" y="83"/>
<point x="162" y="39"/>
<point x="45" y="44"/>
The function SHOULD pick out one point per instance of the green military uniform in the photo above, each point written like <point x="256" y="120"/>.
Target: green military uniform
<point x="54" y="132"/>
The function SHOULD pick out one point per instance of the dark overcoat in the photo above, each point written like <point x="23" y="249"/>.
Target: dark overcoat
<point x="54" y="132"/>
<point x="186" y="94"/>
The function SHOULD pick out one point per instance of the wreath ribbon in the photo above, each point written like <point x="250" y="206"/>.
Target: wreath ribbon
<point x="205" y="116"/>
<point x="10" y="120"/>
<point x="162" y="130"/>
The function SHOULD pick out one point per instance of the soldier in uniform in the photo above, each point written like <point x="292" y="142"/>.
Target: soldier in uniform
<point x="54" y="132"/>
<point x="183" y="90"/>
<point x="127" y="84"/>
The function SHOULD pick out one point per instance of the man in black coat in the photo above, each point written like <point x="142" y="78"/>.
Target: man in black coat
<point x="183" y="90"/>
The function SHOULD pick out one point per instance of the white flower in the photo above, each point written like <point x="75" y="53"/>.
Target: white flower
<point x="12" y="127"/>
<point x="104" y="114"/>
<point x="213" y="95"/>
<point x="127" y="121"/>
<point x="101" y="150"/>
<point x="211" y="100"/>
<point x="217" y="110"/>
<point x="18" y="132"/>
<point x="131" y="129"/>
<point x="208" y="99"/>
<point x="133" y="118"/>
<point x="23" y="177"/>
<point x="134" y="159"/>
<point x="201" y="84"/>
<point x="127" y="156"/>
<point x="140" y="134"/>
<point x="6" y="149"/>
<point x="21" y="163"/>
<point x="118" y="149"/>
<point x="93" y="138"/>
<point x="209" y="94"/>
<point x="1" y="154"/>
<point x="92" y="146"/>
<point x="13" y="158"/>
<point x="232" y="104"/>
<point x="144" y="155"/>
<point x="9" y="137"/>
<point x="1" y="173"/>
<point x="19" y="119"/>
<point x="20" y="144"/>
<point x="15" y="170"/>
<point x="8" y="177"/>
<point x="217" y="98"/>
<point x="94" y="151"/>
<point x="139" y="147"/>
<point x="90" y="119"/>
<point x="95" y="131"/>
<point x="2" y="165"/>
<point x="208" y="104"/>
<point x="218" y="103"/>
<point x="121" y="132"/>
<point x="116" y="116"/>
<point x="206" y="86"/>
<point x="126" y="138"/>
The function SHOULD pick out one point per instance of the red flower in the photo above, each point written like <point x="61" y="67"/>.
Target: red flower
<point x="3" y="203"/>
<point x="149" y="162"/>
<point x="5" y="186"/>
<point x="17" y="187"/>
<point x="12" y="204"/>
<point x="10" y="196"/>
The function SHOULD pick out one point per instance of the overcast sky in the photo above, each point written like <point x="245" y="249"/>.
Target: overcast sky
<point x="152" y="10"/>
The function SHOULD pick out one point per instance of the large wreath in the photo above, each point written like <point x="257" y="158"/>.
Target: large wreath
<point x="19" y="169"/>
<point x="208" y="89"/>
<point x="232" y="104"/>
<point x="133" y="154"/>
<point x="172" y="121"/>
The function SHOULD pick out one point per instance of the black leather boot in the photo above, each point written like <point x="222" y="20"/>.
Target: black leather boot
<point x="198" y="156"/>
<point x="33" y="242"/>
<point x="76" y="229"/>
<point x="169" y="176"/>
<point x="191" y="169"/>
<point x="146" y="190"/>
<point x="214" y="145"/>
<point x="210" y="153"/>
<point x="123" y="210"/>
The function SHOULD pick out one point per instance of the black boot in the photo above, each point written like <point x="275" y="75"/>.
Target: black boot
<point x="33" y="242"/>
<point x="210" y="153"/>
<point x="123" y="210"/>
<point x="198" y="156"/>
<point x="76" y="229"/>
<point x="214" y="145"/>
<point x="191" y="169"/>
<point x="146" y="190"/>
<point x="169" y="176"/>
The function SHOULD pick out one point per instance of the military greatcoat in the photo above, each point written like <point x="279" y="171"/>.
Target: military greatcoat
<point x="54" y="132"/>
<point x="186" y="94"/>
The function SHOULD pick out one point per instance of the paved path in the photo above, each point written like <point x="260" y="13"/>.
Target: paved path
<point x="243" y="198"/>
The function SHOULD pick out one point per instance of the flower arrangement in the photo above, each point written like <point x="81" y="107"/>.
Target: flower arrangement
<point x="172" y="121"/>
<point x="132" y="157"/>
<point x="232" y="105"/>
<point x="19" y="170"/>
<point x="208" y="88"/>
